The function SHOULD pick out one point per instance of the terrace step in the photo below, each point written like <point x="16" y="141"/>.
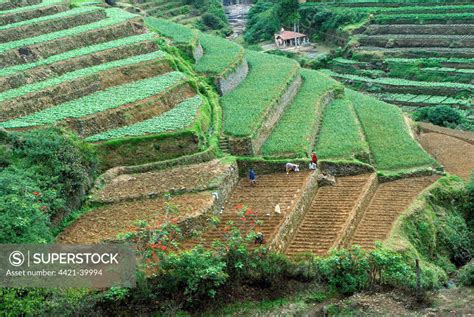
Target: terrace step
<point x="102" y="101"/>
<point x="411" y="100"/>
<point x="415" y="40"/>
<point x="45" y="9"/>
<point x="13" y="4"/>
<point x="35" y="97"/>
<point x="410" y="52"/>
<point x="49" y="24"/>
<point x="43" y="46"/>
<point x="224" y="145"/>
<point x="61" y="64"/>
<point x="390" y="200"/>
<point x="271" y="190"/>
<point x="329" y="214"/>
<point x="396" y="85"/>
<point x="412" y="29"/>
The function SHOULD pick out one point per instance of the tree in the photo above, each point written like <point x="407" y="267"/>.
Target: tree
<point x="288" y="12"/>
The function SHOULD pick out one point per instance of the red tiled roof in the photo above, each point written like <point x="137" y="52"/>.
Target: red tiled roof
<point x="289" y="35"/>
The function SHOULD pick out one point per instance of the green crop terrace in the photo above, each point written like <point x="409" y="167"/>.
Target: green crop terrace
<point x="220" y="55"/>
<point x="178" y="118"/>
<point x="341" y="136"/>
<point x="295" y="132"/>
<point x="114" y="16"/>
<point x="78" y="52"/>
<point x="100" y="101"/>
<point x="245" y="107"/>
<point x="177" y="32"/>
<point x="14" y="93"/>
<point x="387" y="134"/>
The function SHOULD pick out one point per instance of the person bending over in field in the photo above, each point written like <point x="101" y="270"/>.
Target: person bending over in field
<point x="252" y="177"/>
<point x="290" y="167"/>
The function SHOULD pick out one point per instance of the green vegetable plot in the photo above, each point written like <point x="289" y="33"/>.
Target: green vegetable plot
<point x="114" y="16"/>
<point x="175" y="119"/>
<point x="295" y="132"/>
<point x="220" y="56"/>
<point x="246" y="106"/>
<point x="44" y="3"/>
<point x="100" y="101"/>
<point x="14" y="93"/>
<point x="341" y="135"/>
<point x="178" y="33"/>
<point x="388" y="136"/>
<point x="78" y="52"/>
<point x="60" y="15"/>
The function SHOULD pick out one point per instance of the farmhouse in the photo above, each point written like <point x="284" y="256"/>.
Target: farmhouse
<point x="290" y="38"/>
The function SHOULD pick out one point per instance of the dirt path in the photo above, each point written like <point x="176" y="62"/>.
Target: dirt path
<point x="456" y="155"/>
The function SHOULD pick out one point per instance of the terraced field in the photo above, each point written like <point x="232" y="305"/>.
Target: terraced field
<point x="55" y="61"/>
<point x="389" y="201"/>
<point x="412" y="54"/>
<point x="175" y="10"/>
<point x="330" y="215"/>
<point x="295" y="132"/>
<point x="271" y="190"/>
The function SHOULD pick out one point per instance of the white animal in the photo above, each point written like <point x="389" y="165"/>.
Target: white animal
<point x="277" y="209"/>
<point x="291" y="167"/>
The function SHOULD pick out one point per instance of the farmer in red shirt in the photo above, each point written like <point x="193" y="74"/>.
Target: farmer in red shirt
<point x="314" y="161"/>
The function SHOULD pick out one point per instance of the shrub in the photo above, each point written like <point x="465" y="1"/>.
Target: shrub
<point x="466" y="275"/>
<point x="346" y="271"/>
<point x="47" y="175"/>
<point x="212" y="21"/>
<point x="445" y="116"/>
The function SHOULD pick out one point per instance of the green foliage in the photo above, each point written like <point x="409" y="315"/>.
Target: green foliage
<point x="78" y="52"/>
<point x="341" y="135"/>
<point x="445" y="116"/>
<point x="346" y="270"/>
<point x="466" y="275"/>
<point x="114" y="16"/>
<point x="287" y="12"/>
<point x="47" y="174"/>
<point x="246" y="106"/>
<point x="324" y="19"/>
<point x="178" y="118"/>
<point x="262" y="22"/>
<point x="437" y="228"/>
<point x="88" y="71"/>
<point x="220" y="55"/>
<point x="100" y="101"/>
<point x="295" y="132"/>
<point x="387" y="134"/>
<point x="177" y="32"/>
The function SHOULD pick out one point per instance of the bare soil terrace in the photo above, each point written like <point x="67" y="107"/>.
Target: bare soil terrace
<point x="179" y="179"/>
<point x="105" y="223"/>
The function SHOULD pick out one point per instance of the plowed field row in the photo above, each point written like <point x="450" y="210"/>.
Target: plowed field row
<point x="389" y="201"/>
<point x="330" y="211"/>
<point x="271" y="190"/>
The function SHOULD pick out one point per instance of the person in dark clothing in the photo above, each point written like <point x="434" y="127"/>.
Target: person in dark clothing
<point x="252" y="177"/>
<point x="259" y="238"/>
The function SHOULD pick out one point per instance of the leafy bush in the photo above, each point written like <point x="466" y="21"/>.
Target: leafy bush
<point x="47" y="176"/>
<point x="212" y="21"/>
<point x="445" y="116"/>
<point x="466" y="275"/>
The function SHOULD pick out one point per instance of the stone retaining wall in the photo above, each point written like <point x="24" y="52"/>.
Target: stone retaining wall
<point x="230" y="81"/>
